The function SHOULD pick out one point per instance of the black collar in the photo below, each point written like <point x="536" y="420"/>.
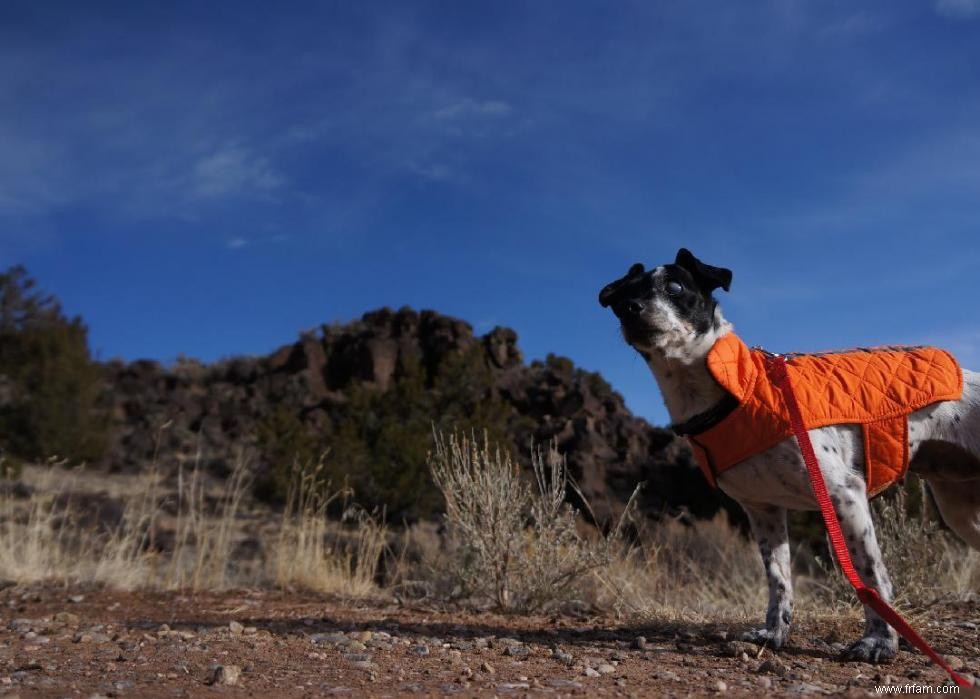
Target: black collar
<point x="702" y="422"/>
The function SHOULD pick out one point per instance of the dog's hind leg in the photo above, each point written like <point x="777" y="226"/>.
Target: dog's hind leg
<point x="769" y="528"/>
<point x="944" y="440"/>
<point x="880" y="642"/>
<point x="959" y="505"/>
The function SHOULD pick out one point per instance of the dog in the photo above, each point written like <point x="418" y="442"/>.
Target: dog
<point x="670" y="316"/>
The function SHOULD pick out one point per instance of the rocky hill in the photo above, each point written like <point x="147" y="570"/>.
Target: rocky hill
<point x="371" y="391"/>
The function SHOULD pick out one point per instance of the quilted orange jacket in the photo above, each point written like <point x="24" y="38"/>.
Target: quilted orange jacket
<point x="875" y="388"/>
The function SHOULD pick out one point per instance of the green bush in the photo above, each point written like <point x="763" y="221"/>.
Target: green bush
<point x="284" y="442"/>
<point x="379" y="440"/>
<point x="52" y="390"/>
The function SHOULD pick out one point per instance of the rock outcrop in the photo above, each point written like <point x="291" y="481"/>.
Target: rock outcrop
<point x="209" y="413"/>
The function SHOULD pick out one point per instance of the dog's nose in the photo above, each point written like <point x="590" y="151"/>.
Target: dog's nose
<point x="628" y="309"/>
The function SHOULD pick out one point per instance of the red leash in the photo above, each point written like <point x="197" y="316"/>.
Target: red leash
<point x="868" y="595"/>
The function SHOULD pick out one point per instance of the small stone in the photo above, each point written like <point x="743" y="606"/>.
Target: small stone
<point x="621" y="682"/>
<point x="562" y="657"/>
<point x="487" y="668"/>
<point x="559" y="683"/>
<point x="735" y="649"/>
<point x="420" y="650"/>
<point x="773" y="668"/>
<point x="765" y="683"/>
<point x="606" y="669"/>
<point x="66" y="618"/>
<point x="640" y="643"/>
<point x="721" y="686"/>
<point x="589" y="672"/>
<point x="455" y="655"/>
<point x="805" y="688"/>
<point x="619" y="656"/>
<point x="518" y="650"/>
<point x="363" y="636"/>
<point x="224" y="674"/>
<point x="355" y="646"/>
<point x="511" y="686"/>
<point x="250" y="631"/>
<point x="76" y="599"/>
<point x="327" y="639"/>
<point x="504" y="642"/>
<point x="236" y="628"/>
<point x="164" y="630"/>
<point x="365" y="665"/>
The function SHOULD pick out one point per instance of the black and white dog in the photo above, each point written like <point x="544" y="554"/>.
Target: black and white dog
<point x="669" y="316"/>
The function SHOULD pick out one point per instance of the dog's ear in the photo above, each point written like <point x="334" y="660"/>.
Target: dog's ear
<point x="608" y="293"/>
<point x="708" y="278"/>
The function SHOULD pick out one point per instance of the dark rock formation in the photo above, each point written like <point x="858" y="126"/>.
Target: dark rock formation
<point x="210" y="413"/>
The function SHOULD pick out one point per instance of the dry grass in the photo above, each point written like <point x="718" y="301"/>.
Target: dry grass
<point x="204" y="543"/>
<point x="926" y="562"/>
<point x="511" y="542"/>
<point x="702" y="571"/>
<point x="46" y="538"/>
<point x="709" y="571"/>
<point x="316" y="554"/>
<point x="41" y="539"/>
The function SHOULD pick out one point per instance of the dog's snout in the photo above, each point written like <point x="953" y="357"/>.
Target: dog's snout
<point x="628" y="309"/>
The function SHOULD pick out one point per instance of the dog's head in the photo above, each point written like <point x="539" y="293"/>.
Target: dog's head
<point x="669" y="307"/>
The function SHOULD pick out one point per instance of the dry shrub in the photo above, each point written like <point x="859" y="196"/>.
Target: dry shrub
<point x="317" y="554"/>
<point x="515" y="544"/>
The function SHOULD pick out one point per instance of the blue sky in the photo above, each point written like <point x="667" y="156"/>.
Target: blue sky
<point x="211" y="178"/>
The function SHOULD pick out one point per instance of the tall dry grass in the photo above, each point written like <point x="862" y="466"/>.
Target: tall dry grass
<point x="315" y="553"/>
<point x="709" y="570"/>
<point x="46" y="538"/>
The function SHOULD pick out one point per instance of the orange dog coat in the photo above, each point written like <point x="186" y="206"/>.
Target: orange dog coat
<point x="875" y="388"/>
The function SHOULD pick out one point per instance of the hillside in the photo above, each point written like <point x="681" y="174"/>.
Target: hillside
<point x="370" y="392"/>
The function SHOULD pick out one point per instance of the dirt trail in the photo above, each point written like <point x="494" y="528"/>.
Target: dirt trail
<point x="65" y="643"/>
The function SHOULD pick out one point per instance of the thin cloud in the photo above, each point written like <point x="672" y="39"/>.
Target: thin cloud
<point x="958" y="9"/>
<point x="233" y="170"/>
<point x="858" y="24"/>
<point x="438" y="172"/>
<point x="469" y="108"/>
<point x="236" y="243"/>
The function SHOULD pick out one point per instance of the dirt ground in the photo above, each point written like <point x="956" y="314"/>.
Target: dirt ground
<point x="58" y="642"/>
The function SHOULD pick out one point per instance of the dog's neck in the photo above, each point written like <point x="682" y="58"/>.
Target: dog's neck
<point x="687" y="386"/>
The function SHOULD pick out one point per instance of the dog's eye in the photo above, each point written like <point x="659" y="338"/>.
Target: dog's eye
<point x="674" y="288"/>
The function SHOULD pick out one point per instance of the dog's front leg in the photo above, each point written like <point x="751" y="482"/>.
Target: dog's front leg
<point x="880" y="642"/>
<point x="769" y="528"/>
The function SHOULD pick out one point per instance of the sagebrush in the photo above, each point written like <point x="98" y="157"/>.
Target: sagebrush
<point x="517" y="542"/>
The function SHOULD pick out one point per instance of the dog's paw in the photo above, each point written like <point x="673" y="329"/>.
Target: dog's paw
<point x="871" y="649"/>
<point x="765" y="637"/>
